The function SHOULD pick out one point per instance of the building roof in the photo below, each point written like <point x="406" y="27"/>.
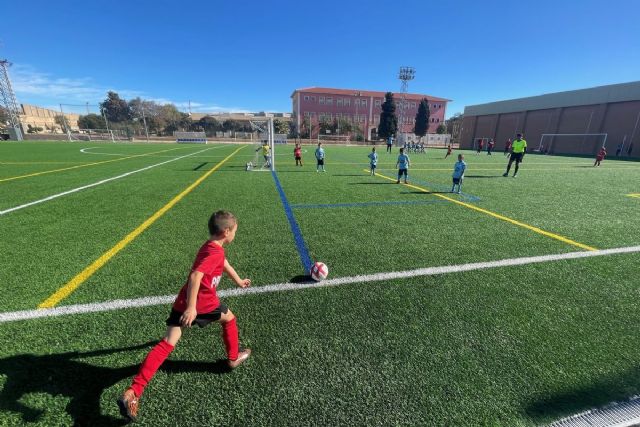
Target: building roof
<point x="353" y="92"/>
<point x="620" y="92"/>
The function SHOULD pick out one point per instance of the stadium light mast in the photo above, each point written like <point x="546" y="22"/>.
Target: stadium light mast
<point x="9" y="102"/>
<point x="405" y="75"/>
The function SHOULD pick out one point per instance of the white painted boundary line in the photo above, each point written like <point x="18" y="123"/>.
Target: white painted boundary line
<point x="95" y="184"/>
<point x="280" y="287"/>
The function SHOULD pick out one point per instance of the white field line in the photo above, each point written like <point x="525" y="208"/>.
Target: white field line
<point x="280" y="287"/>
<point x="95" y="184"/>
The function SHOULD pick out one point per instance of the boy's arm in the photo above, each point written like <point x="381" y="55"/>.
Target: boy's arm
<point x="243" y="283"/>
<point x="190" y="313"/>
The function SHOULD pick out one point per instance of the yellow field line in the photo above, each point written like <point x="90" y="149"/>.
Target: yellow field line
<point x="634" y="195"/>
<point x="85" y="165"/>
<point x="81" y="277"/>
<point x="498" y="216"/>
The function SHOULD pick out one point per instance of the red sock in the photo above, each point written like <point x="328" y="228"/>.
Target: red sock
<point x="230" y="338"/>
<point x="150" y="365"/>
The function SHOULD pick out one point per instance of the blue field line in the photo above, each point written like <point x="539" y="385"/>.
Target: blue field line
<point x="440" y="188"/>
<point x="365" y="204"/>
<point x="305" y="258"/>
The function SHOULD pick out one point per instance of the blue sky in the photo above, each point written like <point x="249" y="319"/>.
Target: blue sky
<point x="228" y="55"/>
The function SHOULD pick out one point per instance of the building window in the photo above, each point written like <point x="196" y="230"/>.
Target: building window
<point x="313" y="98"/>
<point x="339" y="102"/>
<point x="306" y="97"/>
<point x="321" y="100"/>
<point x="378" y="103"/>
<point x="357" y="102"/>
<point x="347" y="102"/>
<point x="364" y="102"/>
<point x="328" y="101"/>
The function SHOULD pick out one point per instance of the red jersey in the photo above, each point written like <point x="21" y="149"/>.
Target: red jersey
<point x="297" y="152"/>
<point x="210" y="262"/>
<point x="449" y="149"/>
<point x="508" y="146"/>
<point x="601" y="154"/>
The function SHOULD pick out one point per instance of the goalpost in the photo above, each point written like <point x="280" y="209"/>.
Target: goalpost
<point x="264" y="147"/>
<point x="571" y="143"/>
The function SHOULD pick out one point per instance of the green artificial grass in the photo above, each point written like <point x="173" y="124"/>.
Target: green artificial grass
<point x="508" y="346"/>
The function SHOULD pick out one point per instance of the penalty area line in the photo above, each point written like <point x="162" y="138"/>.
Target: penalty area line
<point x="282" y="287"/>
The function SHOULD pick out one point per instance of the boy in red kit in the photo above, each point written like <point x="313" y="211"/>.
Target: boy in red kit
<point x="196" y="303"/>
<point x="448" y="151"/>
<point x="297" y="154"/>
<point x="600" y="156"/>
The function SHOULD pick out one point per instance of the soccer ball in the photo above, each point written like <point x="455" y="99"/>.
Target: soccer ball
<point x="319" y="271"/>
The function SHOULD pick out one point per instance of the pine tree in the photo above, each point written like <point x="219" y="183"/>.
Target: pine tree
<point x="388" y="119"/>
<point x="422" y="119"/>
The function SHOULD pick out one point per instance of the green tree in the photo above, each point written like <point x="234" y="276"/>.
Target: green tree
<point x="209" y="125"/>
<point x="115" y="108"/>
<point x="388" y="120"/>
<point x="422" y="119"/>
<point x="232" y="125"/>
<point x="280" y="126"/>
<point x="442" y="129"/>
<point x="91" y="121"/>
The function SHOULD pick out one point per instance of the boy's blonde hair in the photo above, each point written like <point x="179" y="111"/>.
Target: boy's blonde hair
<point x="221" y="221"/>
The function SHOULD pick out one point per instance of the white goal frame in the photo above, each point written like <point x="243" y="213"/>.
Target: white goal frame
<point x="541" y="147"/>
<point x="266" y="133"/>
<point x="483" y="138"/>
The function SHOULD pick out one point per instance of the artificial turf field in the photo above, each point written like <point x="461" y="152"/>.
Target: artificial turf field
<point x="505" y="346"/>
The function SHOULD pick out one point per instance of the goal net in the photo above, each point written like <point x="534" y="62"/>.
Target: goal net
<point x="478" y="140"/>
<point x="86" y="122"/>
<point x="190" y="137"/>
<point x="96" y="135"/>
<point x="334" y="138"/>
<point x="264" y="147"/>
<point x="571" y="143"/>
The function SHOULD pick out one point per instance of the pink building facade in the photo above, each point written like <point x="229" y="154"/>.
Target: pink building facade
<point x="311" y="106"/>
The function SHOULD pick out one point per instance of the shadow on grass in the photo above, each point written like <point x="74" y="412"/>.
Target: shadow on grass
<point x="302" y="278"/>
<point x="83" y="383"/>
<point x="595" y="395"/>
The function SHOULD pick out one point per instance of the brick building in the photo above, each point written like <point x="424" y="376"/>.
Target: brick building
<point x="314" y="105"/>
<point x="613" y="110"/>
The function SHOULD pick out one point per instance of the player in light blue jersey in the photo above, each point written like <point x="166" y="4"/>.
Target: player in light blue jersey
<point x="320" y="158"/>
<point x="403" y="166"/>
<point x="373" y="160"/>
<point x="458" y="173"/>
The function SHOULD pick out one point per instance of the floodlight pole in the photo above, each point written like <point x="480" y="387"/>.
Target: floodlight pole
<point x="144" y="120"/>
<point x="8" y="99"/>
<point x="405" y="75"/>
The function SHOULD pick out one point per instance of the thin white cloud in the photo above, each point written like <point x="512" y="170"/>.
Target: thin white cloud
<point x="34" y="86"/>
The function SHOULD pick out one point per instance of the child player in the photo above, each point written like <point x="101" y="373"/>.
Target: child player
<point x="449" y="149"/>
<point x="458" y="173"/>
<point x="297" y="154"/>
<point x="320" y="157"/>
<point x="196" y="303"/>
<point x="266" y="153"/>
<point x="403" y="166"/>
<point x="600" y="156"/>
<point x="373" y="160"/>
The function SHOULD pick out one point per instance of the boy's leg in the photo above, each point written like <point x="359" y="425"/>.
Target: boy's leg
<point x="155" y="358"/>
<point x="399" y="175"/>
<point x="130" y="399"/>
<point x="231" y="343"/>
<point x="406" y="175"/>
<point x="515" y="171"/>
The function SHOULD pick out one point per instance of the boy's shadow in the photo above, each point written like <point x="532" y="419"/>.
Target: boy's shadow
<point x="82" y="382"/>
